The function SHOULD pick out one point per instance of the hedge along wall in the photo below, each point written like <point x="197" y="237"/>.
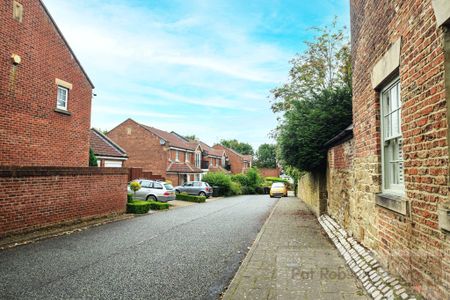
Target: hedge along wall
<point x="37" y="197"/>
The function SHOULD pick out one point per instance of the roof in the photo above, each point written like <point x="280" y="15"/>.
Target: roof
<point x="182" y="167"/>
<point x="210" y="150"/>
<point x="341" y="137"/>
<point x="104" y="146"/>
<point x="248" y="157"/>
<point x="173" y="139"/>
<point x="242" y="156"/>
<point x="66" y="43"/>
<point x="218" y="169"/>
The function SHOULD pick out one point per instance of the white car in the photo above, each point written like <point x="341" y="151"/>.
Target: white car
<point x="153" y="190"/>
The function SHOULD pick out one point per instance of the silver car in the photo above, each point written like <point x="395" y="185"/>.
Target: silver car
<point x="198" y="188"/>
<point x="153" y="190"/>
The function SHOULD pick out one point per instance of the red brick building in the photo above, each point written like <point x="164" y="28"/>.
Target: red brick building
<point x="45" y="109"/>
<point x="108" y="153"/>
<point x="236" y="163"/>
<point x="157" y="151"/>
<point x="45" y="106"/>
<point x="389" y="185"/>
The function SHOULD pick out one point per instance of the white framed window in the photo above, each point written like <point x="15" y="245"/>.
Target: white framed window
<point x="391" y="140"/>
<point x="198" y="159"/>
<point x="187" y="157"/>
<point x="177" y="155"/>
<point x="62" y="97"/>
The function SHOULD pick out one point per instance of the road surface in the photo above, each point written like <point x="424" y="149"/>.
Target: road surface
<point x="185" y="253"/>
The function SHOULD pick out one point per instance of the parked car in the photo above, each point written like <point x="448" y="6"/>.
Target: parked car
<point x="198" y="188"/>
<point x="278" y="189"/>
<point x="153" y="190"/>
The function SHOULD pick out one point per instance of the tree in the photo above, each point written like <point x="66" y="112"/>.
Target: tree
<point x="325" y="65"/>
<point x="92" y="158"/>
<point x="191" y="137"/>
<point x="266" y="156"/>
<point x="242" y="148"/>
<point x="309" y="124"/>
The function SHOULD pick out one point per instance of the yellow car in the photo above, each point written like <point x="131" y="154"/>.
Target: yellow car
<point x="278" y="189"/>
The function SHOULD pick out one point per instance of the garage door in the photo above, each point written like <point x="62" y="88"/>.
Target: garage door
<point x="113" y="164"/>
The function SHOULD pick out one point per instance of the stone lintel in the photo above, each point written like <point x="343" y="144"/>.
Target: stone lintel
<point x="395" y="203"/>
<point x="386" y="66"/>
<point x="442" y="12"/>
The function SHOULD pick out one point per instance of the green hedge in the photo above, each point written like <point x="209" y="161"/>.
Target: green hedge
<point x="142" y="207"/>
<point x="129" y="198"/>
<point x="158" y="205"/>
<point x="138" y="207"/>
<point x="190" y="198"/>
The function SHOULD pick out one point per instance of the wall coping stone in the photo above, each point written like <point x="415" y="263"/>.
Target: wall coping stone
<point x="395" y="203"/>
<point x="38" y="171"/>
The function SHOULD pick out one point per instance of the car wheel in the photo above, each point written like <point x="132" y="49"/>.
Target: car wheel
<point x="203" y="194"/>
<point x="151" y="198"/>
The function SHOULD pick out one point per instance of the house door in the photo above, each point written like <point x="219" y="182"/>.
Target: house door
<point x="184" y="178"/>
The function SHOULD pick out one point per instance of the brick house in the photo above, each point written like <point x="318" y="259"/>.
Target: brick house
<point x="163" y="153"/>
<point x="237" y="163"/>
<point x="213" y="160"/>
<point x="108" y="153"/>
<point x="387" y="182"/>
<point x="46" y="95"/>
<point x="45" y="112"/>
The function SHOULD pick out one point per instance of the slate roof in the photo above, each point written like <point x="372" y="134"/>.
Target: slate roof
<point x="104" y="146"/>
<point x="180" y="167"/>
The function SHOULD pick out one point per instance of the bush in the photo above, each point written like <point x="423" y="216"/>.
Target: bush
<point x="241" y="179"/>
<point x="129" y="198"/>
<point x="275" y="179"/>
<point x="220" y="179"/>
<point x="235" y="189"/>
<point x="190" y="198"/>
<point x="158" y="205"/>
<point x="138" y="207"/>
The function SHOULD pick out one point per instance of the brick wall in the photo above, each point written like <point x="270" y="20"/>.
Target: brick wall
<point x="235" y="160"/>
<point x="340" y="181"/>
<point x="31" y="132"/>
<point x="142" y="147"/>
<point x="270" y="172"/>
<point x="412" y="246"/>
<point x="37" y="197"/>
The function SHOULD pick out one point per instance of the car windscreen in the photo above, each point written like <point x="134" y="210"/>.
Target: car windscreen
<point x="168" y="186"/>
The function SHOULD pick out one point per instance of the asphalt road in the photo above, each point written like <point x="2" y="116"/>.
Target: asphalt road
<point x="186" y="253"/>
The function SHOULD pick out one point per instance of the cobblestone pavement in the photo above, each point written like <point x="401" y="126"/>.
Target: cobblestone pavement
<point x="293" y="259"/>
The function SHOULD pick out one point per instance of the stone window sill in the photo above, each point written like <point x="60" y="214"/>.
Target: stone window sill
<point x="392" y="202"/>
<point x="62" y="111"/>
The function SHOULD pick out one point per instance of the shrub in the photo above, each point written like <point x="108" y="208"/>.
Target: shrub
<point x="235" y="188"/>
<point x="129" y="198"/>
<point x="158" y="205"/>
<point x="138" y="207"/>
<point x="220" y="179"/>
<point x="241" y="179"/>
<point x="275" y="179"/>
<point x="190" y="198"/>
<point x="92" y="158"/>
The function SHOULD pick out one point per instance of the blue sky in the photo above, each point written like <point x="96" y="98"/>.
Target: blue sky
<point x="195" y="67"/>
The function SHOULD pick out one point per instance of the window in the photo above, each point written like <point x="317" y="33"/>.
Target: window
<point x="391" y="138"/>
<point x="146" y="184"/>
<point x="187" y="157"/>
<point x="198" y="159"/>
<point x="157" y="186"/>
<point x="177" y="155"/>
<point x="62" y="97"/>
